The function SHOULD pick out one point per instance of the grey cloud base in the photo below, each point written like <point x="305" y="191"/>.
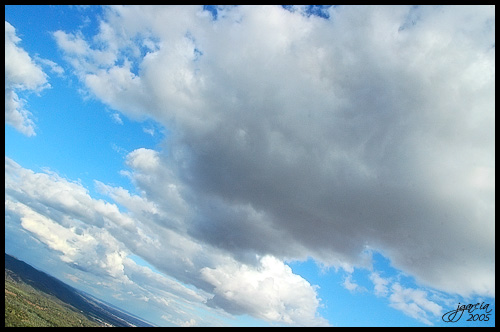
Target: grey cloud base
<point x="298" y="136"/>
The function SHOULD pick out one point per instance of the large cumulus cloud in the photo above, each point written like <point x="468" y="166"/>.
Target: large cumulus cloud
<point x="295" y="135"/>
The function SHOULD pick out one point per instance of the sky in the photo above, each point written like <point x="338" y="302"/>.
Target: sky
<point x="257" y="165"/>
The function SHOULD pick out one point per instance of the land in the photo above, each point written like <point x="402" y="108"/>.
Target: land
<point x="26" y="306"/>
<point x="36" y="299"/>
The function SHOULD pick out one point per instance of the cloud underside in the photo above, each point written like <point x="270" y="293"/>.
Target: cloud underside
<point x="296" y="136"/>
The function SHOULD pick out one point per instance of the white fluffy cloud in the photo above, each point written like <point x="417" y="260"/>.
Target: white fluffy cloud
<point x="20" y="69"/>
<point x="270" y="292"/>
<point x="21" y="73"/>
<point x="96" y="237"/>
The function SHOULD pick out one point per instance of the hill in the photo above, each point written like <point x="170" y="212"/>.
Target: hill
<point x="26" y="306"/>
<point x="34" y="298"/>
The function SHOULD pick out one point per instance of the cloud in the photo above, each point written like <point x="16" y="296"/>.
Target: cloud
<point x="71" y="43"/>
<point x="100" y="260"/>
<point x="380" y="284"/>
<point x="85" y="249"/>
<point x="189" y="323"/>
<point x="149" y="131"/>
<point x="16" y="115"/>
<point x="54" y="67"/>
<point x="264" y="292"/>
<point x="20" y="70"/>
<point x="352" y="286"/>
<point x="95" y="237"/>
<point x="414" y="303"/>
<point x="21" y="74"/>
<point x="337" y="134"/>
<point x="295" y="136"/>
<point x="116" y="118"/>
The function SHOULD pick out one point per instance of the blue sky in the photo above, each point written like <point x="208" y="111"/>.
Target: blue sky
<point x="256" y="166"/>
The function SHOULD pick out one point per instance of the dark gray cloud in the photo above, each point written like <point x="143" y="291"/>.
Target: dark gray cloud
<point x="296" y="136"/>
<point x="355" y="135"/>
